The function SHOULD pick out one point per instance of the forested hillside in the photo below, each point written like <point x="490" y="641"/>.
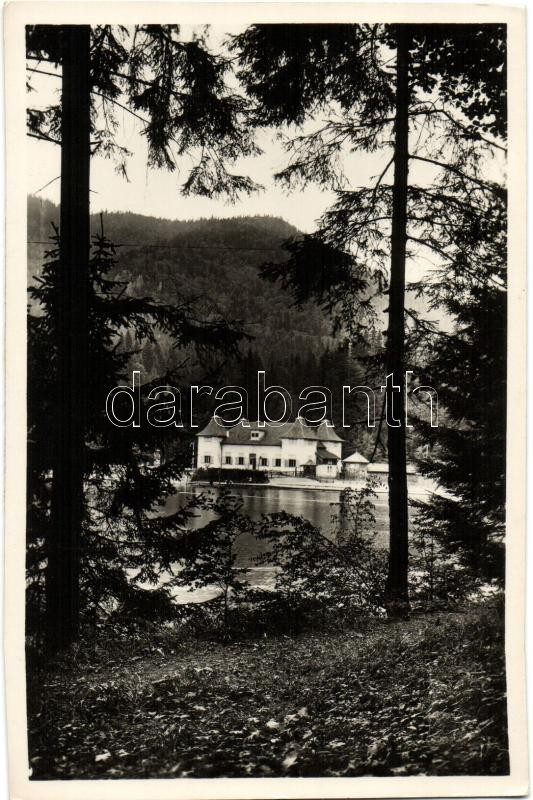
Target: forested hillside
<point x="213" y="260"/>
<point x="215" y="263"/>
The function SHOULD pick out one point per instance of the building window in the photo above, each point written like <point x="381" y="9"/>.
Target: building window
<point x="263" y="462"/>
<point x="292" y="462"/>
<point x="207" y="459"/>
<point x="255" y="435"/>
<point x="278" y="462"/>
<point x="229" y="460"/>
<point x="240" y="461"/>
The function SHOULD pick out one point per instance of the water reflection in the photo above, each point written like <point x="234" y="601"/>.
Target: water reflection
<point x="317" y="506"/>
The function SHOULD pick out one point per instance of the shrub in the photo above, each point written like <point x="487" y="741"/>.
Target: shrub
<point x="439" y="578"/>
<point x="212" y="558"/>
<point x="342" y="571"/>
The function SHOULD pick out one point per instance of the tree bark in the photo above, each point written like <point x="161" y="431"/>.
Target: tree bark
<point x="67" y="503"/>
<point x="396" y="590"/>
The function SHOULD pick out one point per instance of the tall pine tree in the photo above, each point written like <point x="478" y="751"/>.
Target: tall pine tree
<point x="177" y="88"/>
<point x="126" y="552"/>
<point x="429" y="98"/>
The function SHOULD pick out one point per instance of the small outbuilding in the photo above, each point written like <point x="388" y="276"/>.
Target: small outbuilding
<point x="355" y="466"/>
<point x="380" y="471"/>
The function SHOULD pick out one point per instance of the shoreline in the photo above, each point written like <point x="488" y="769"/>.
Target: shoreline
<point x="272" y="485"/>
<point x="291" y="484"/>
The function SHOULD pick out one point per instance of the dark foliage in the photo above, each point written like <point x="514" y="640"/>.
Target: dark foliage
<point x="468" y="65"/>
<point x="175" y="85"/>
<point x="468" y="457"/>
<point x="294" y="70"/>
<point x="127" y="543"/>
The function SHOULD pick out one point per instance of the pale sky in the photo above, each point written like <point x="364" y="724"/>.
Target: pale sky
<point x="157" y="192"/>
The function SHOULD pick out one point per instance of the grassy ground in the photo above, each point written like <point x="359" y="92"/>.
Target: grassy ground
<point x="425" y="696"/>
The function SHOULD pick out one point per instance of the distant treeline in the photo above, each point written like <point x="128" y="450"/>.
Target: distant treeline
<point x="214" y="264"/>
<point x="214" y="261"/>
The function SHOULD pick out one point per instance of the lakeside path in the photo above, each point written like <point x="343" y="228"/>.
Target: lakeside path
<point x="419" y="486"/>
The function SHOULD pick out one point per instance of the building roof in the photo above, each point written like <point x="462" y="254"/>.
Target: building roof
<point x="214" y="428"/>
<point x="272" y="434"/>
<point x="300" y="430"/>
<point x="326" y="432"/>
<point x="377" y="466"/>
<point x="325" y="455"/>
<point x="355" y="458"/>
<point x="241" y="433"/>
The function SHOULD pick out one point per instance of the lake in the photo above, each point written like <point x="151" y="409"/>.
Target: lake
<point x="316" y="505"/>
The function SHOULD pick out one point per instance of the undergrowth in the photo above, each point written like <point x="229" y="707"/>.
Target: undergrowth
<point x="424" y="696"/>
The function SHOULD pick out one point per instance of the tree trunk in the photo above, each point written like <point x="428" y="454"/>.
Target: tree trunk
<point x="396" y="592"/>
<point x="67" y="504"/>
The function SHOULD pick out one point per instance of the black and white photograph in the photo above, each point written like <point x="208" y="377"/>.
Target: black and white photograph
<point x="268" y="401"/>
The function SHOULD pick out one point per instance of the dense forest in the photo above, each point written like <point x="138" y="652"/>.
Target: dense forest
<point x="215" y="261"/>
<point x="215" y="264"/>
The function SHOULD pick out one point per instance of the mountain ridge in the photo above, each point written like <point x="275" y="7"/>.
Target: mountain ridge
<point x="214" y="259"/>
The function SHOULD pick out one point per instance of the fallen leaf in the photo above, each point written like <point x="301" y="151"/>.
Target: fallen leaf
<point x="290" y="759"/>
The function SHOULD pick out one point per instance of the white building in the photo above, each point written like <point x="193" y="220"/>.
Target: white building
<point x="292" y="447"/>
<point x="355" y="465"/>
